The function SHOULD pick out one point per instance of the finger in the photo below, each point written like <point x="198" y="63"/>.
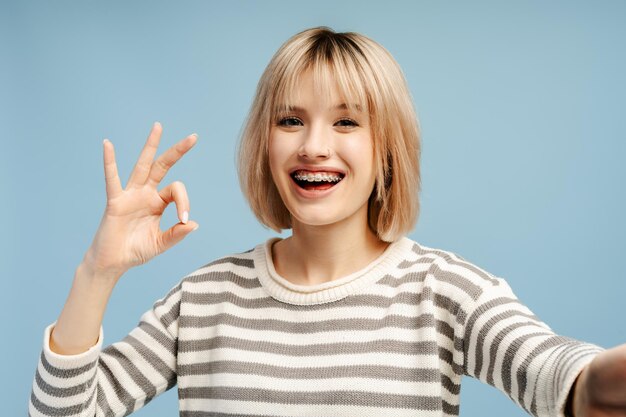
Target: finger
<point x="177" y="193"/>
<point x="111" y="177"/>
<point x="170" y="157"/>
<point x="175" y="234"/>
<point x="142" y="167"/>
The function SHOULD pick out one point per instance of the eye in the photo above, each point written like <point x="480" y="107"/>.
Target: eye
<point x="290" y="121"/>
<point x="346" y="123"/>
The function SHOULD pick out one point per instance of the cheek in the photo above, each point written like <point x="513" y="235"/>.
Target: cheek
<point x="361" y="155"/>
<point x="277" y="156"/>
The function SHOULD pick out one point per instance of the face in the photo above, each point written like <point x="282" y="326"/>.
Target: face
<point x="322" y="159"/>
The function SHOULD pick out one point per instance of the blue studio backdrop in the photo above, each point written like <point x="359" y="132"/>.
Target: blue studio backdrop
<point x="522" y="107"/>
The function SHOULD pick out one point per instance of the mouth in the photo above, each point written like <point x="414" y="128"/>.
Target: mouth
<point x="316" y="180"/>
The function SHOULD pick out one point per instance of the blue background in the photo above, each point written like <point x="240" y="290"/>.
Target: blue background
<point x="522" y="106"/>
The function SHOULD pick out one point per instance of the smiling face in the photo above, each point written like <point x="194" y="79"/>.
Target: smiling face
<point x="321" y="157"/>
<point x="354" y="70"/>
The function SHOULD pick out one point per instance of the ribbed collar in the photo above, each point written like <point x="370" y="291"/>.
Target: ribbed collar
<point x="282" y="290"/>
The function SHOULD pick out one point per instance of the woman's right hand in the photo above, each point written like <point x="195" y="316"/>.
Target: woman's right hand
<point x="129" y="233"/>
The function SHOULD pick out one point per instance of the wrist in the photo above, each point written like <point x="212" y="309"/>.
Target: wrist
<point x="89" y="268"/>
<point x="98" y="280"/>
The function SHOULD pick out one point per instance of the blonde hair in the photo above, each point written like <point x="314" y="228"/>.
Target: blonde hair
<point x="365" y="73"/>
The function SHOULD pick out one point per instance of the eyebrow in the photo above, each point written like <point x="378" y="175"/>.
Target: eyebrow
<point x="342" y="106"/>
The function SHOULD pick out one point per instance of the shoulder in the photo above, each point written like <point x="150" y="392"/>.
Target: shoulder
<point x="448" y="273"/>
<point x="231" y="274"/>
<point x="237" y="266"/>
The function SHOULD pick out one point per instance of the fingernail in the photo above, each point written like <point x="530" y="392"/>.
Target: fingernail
<point x="195" y="228"/>
<point x="157" y="124"/>
<point x="105" y="141"/>
<point x="194" y="134"/>
<point x="185" y="217"/>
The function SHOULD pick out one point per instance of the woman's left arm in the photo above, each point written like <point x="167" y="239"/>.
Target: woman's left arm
<point x="600" y="390"/>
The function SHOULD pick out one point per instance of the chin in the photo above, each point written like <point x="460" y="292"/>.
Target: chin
<point x="323" y="216"/>
<point x="315" y="219"/>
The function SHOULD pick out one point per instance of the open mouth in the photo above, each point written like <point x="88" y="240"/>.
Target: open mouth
<point x="316" y="180"/>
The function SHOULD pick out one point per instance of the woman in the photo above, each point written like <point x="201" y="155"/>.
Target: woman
<point x="345" y="317"/>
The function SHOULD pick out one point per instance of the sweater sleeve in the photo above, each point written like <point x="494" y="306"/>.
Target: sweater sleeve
<point x="116" y="380"/>
<point x="508" y="347"/>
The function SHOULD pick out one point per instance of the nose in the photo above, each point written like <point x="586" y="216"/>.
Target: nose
<point x="316" y="143"/>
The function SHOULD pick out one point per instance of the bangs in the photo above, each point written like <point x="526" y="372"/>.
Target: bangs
<point x="336" y="68"/>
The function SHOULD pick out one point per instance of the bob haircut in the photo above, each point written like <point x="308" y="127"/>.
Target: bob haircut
<point x="364" y="73"/>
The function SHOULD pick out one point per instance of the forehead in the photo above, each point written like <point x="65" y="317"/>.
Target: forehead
<point x="321" y="85"/>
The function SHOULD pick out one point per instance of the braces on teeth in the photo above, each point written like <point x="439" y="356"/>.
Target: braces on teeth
<point x="317" y="177"/>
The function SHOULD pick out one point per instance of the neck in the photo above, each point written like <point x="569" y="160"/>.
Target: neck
<point x="318" y="254"/>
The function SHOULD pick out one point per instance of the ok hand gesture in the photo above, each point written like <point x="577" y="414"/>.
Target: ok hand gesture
<point x="129" y="233"/>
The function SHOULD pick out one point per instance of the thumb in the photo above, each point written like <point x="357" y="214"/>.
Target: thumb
<point x="176" y="233"/>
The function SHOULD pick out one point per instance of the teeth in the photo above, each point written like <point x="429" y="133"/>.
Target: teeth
<point x="317" y="177"/>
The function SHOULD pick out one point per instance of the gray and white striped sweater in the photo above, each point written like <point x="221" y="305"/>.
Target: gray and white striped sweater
<point x="392" y="339"/>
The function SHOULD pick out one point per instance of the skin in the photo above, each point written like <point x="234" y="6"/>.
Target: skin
<point x="330" y="237"/>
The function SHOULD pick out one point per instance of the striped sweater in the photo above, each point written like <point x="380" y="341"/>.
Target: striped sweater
<point x="394" y="338"/>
